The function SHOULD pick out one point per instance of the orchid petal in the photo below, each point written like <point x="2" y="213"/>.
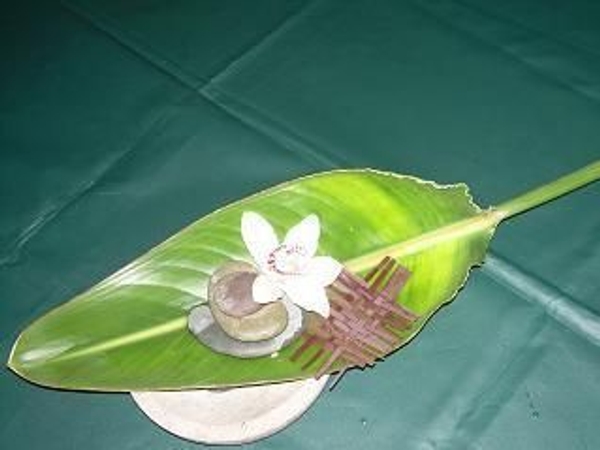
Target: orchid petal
<point x="259" y="237"/>
<point x="307" y="295"/>
<point x="323" y="270"/>
<point x="265" y="291"/>
<point x="305" y="235"/>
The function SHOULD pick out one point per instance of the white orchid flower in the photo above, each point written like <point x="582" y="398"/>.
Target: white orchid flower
<point x="290" y="267"/>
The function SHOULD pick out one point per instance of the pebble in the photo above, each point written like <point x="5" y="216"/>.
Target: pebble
<point x="240" y="317"/>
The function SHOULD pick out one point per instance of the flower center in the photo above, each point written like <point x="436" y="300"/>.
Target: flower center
<point x="288" y="260"/>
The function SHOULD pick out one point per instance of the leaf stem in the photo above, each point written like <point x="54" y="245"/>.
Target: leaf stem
<point x="557" y="188"/>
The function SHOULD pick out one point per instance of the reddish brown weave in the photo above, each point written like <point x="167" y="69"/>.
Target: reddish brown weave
<point x="363" y="323"/>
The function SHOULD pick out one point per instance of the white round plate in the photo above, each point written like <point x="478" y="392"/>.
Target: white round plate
<point x="233" y="416"/>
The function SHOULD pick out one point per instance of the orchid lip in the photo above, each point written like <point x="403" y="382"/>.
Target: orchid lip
<point x="286" y="255"/>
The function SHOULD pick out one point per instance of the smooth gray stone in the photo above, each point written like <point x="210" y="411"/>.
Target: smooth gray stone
<point x="203" y="325"/>
<point x="232" y="416"/>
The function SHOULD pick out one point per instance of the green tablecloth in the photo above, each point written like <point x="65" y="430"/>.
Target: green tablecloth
<point x="124" y="121"/>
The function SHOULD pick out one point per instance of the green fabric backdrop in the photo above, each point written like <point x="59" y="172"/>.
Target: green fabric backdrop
<point x="124" y="121"/>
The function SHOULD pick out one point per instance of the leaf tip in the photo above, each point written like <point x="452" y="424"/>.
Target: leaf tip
<point x="13" y="363"/>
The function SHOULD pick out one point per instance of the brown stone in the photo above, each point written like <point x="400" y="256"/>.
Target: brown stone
<point x="231" y="303"/>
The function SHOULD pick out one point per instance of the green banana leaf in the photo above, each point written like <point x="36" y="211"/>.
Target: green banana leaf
<point x="129" y="332"/>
